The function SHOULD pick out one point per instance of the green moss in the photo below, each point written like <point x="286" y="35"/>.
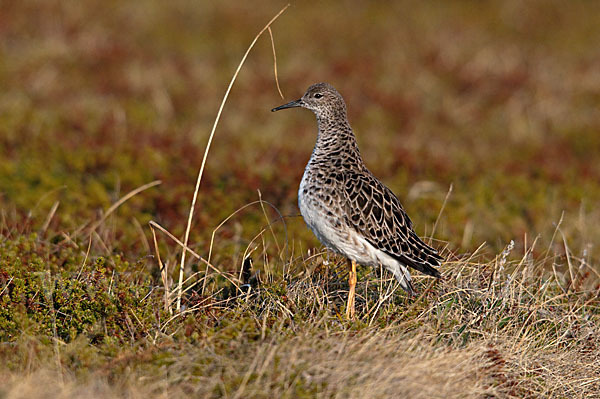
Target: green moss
<point x="58" y="296"/>
<point x="110" y="97"/>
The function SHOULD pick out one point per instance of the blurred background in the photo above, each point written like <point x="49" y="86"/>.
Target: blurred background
<point x="500" y="99"/>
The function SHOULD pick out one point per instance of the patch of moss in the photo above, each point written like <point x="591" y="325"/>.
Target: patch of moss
<point x="51" y="292"/>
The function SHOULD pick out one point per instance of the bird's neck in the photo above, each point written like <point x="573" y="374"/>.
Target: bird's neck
<point x="335" y="136"/>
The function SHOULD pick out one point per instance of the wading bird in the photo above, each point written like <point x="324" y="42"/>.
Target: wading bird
<point x="349" y="210"/>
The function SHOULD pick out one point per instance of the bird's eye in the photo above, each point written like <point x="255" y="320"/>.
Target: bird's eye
<point x="318" y="95"/>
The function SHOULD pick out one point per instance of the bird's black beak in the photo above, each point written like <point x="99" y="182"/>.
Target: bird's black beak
<point x="293" y="104"/>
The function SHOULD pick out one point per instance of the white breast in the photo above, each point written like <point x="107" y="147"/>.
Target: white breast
<point x="331" y="230"/>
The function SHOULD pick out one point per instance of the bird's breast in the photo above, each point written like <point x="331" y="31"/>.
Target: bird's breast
<point x="321" y="206"/>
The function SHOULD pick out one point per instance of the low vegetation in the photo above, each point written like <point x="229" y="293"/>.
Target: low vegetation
<point x="482" y="117"/>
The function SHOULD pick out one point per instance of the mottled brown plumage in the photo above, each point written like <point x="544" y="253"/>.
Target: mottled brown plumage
<point x="348" y="209"/>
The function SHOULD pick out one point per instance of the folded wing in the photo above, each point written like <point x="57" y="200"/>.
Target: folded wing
<point x="375" y="212"/>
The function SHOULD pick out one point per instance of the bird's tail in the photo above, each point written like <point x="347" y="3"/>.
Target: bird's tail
<point x="403" y="277"/>
<point x="424" y="266"/>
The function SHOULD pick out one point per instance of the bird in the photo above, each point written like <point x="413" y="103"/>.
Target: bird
<point x="348" y="209"/>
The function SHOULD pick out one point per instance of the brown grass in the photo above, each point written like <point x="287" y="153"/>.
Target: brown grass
<point x="482" y="332"/>
<point x="496" y="100"/>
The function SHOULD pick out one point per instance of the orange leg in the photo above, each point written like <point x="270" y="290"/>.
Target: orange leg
<point x="350" y="311"/>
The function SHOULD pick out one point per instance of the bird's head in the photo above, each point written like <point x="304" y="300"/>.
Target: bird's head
<point x="322" y="99"/>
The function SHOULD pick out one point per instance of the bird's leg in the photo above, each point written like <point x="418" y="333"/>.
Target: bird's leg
<point x="351" y="292"/>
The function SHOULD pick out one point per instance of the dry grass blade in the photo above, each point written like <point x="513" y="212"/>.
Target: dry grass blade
<point x="6" y="286"/>
<point x="49" y="217"/>
<point x="121" y="201"/>
<point x="270" y="224"/>
<point x="210" y="138"/>
<point x="92" y="316"/>
<point x="194" y="254"/>
<point x="163" y="272"/>
<point x="440" y="214"/>
<point x="87" y="253"/>
<point x="212" y="238"/>
<point x="140" y="230"/>
<point x="275" y="63"/>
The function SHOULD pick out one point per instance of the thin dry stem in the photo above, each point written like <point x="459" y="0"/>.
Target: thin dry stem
<point x="120" y="202"/>
<point x="140" y="230"/>
<point x="275" y="63"/>
<point x="212" y="238"/>
<point x="163" y="272"/>
<point x="87" y="253"/>
<point x="194" y="254"/>
<point x="262" y="206"/>
<point x="49" y="217"/>
<point x="441" y="211"/>
<point x="210" y="138"/>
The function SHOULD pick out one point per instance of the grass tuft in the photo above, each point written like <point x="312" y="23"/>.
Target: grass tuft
<point x="101" y="102"/>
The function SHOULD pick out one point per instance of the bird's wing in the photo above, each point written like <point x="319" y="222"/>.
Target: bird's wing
<point x="375" y="212"/>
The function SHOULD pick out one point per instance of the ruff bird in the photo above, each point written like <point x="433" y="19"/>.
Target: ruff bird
<point x="349" y="210"/>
